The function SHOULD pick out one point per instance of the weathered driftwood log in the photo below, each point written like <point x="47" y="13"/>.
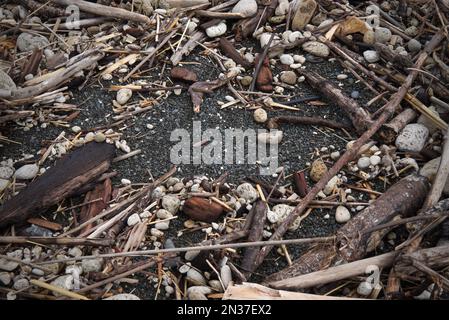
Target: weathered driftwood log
<point x="254" y="291"/>
<point x="404" y="198"/>
<point x="334" y="274"/>
<point x="255" y="234"/>
<point x="107" y="11"/>
<point x="360" y="118"/>
<point x="70" y="173"/>
<point x="390" y="130"/>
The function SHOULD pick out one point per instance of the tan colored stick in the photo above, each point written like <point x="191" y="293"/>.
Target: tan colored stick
<point x="59" y="290"/>
<point x="333" y="274"/>
<point x="253" y="291"/>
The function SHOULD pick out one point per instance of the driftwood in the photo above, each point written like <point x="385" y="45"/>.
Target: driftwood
<point x="360" y="118"/>
<point x="336" y="273"/>
<point x="198" y="89"/>
<point x="255" y="234"/>
<point x="300" y="184"/>
<point x="246" y="27"/>
<point x="390" y="56"/>
<point x="388" y="110"/>
<point x="431" y="202"/>
<point x="196" y="38"/>
<point x="253" y="291"/>
<point x="60" y="181"/>
<point x="83" y="61"/>
<point x="59" y="241"/>
<point x="403" y="198"/>
<point x="274" y="123"/>
<point x="102" y="193"/>
<point x="106" y="11"/>
<point x="389" y="131"/>
<point x="229" y="50"/>
<point x="436" y="257"/>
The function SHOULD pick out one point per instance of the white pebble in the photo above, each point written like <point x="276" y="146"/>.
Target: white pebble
<point x="342" y="214"/>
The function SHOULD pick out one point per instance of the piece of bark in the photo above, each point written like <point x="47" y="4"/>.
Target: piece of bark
<point x="253" y="291"/>
<point x="264" y="78"/>
<point x="403" y="198"/>
<point x="360" y="118"/>
<point x="32" y="65"/>
<point x="201" y="209"/>
<point x="45" y="224"/>
<point x="436" y="257"/>
<point x="390" y="130"/>
<point x="183" y="74"/>
<point x="107" y="11"/>
<point x="300" y="184"/>
<point x="229" y="50"/>
<point x="255" y="234"/>
<point x="198" y="89"/>
<point x="60" y="181"/>
<point x="103" y="192"/>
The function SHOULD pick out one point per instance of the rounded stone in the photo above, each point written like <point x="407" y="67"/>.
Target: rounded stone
<point x="363" y="163"/>
<point x="371" y="56"/>
<point x="342" y="214"/>
<point x="123" y="95"/>
<point x="286" y="59"/>
<point x="289" y="77"/>
<point x="260" y="115"/>
<point x="382" y="35"/>
<point x="247" y="192"/>
<point x="247" y="8"/>
<point x="317" y="170"/>
<point x="414" y="45"/>
<point x="316" y="48"/>
<point x="364" y="289"/>
<point x="171" y="204"/>
<point x="412" y="138"/>
<point x="27" y="172"/>
<point x="375" y="160"/>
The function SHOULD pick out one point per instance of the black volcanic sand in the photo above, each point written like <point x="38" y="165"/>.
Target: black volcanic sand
<point x="176" y="112"/>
